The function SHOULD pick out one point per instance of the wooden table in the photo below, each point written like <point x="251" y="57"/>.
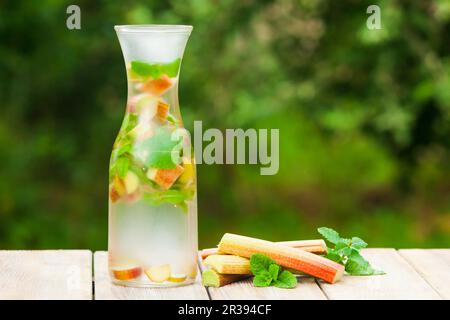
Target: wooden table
<point x="79" y="274"/>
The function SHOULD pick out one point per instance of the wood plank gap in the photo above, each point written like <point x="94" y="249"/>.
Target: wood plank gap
<point x="321" y="289"/>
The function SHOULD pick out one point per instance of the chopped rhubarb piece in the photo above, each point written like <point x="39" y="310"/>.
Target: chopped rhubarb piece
<point x="165" y="178"/>
<point x="114" y="195"/>
<point x="126" y="272"/>
<point x="119" y="186"/>
<point x="188" y="173"/>
<point x="159" y="273"/>
<point x="131" y="182"/>
<point x="149" y="106"/>
<point x="163" y="111"/>
<point x="157" y="86"/>
<point x="117" y="189"/>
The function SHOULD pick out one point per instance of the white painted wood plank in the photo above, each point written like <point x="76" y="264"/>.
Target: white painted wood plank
<point x="106" y="290"/>
<point x="433" y="265"/>
<point x="401" y="281"/>
<point x="307" y="289"/>
<point x="47" y="274"/>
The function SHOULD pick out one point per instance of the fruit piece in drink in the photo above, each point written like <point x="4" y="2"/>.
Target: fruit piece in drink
<point x="177" y="277"/>
<point x="126" y="272"/>
<point x="165" y="178"/>
<point x="131" y="182"/>
<point x="188" y="173"/>
<point x="157" y="86"/>
<point x="117" y="189"/>
<point x="119" y="186"/>
<point x="162" y="111"/>
<point x="158" y="273"/>
<point x="113" y="195"/>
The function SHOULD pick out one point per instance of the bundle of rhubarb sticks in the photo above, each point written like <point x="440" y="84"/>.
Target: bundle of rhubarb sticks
<point x="230" y="262"/>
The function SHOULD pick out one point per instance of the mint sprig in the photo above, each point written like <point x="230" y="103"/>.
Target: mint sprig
<point x="155" y="70"/>
<point x="268" y="273"/>
<point x="347" y="252"/>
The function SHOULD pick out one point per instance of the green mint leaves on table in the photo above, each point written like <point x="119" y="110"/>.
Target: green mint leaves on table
<point x="268" y="273"/>
<point x="155" y="70"/>
<point x="346" y="252"/>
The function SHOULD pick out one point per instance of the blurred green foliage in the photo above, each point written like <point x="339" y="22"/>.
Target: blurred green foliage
<point x="364" y="117"/>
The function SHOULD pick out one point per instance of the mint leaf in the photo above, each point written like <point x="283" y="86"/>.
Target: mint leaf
<point x="145" y="70"/>
<point x="155" y="70"/>
<point x="334" y="255"/>
<point x="171" y="69"/>
<point x="129" y="122"/>
<point x="262" y="279"/>
<point x="346" y="252"/>
<point x="342" y="243"/>
<point x="274" y="270"/>
<point x="120" y="148"/>
<point x="124" y="149"/>
<point x="267" y="273"/>
<point x="122" y="165"/>
<point x="329" y="234"/>
<point x="286" y="280"/>
<point x="160" y="150"/>
<point x="358" y="243"/>
<point x="260" y="263"/>
<point x="358" y="266"/>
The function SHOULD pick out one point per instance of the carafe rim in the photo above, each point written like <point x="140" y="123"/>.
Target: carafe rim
<point x="160" y="28"/>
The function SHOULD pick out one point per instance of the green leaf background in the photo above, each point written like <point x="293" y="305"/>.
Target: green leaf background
<point x="363" y="117"/>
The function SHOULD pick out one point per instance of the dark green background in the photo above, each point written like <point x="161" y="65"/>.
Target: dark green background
<point x="364" y="117"/>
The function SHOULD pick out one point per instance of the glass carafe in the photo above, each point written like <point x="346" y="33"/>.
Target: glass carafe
<point x="152" y="238"/>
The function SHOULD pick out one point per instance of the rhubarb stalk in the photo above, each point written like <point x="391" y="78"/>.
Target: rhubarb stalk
<point x="317" y="246"/>
<point x="287" y="257"/>
<point x="211" y="278"/>
<point x="228" y="264"/>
